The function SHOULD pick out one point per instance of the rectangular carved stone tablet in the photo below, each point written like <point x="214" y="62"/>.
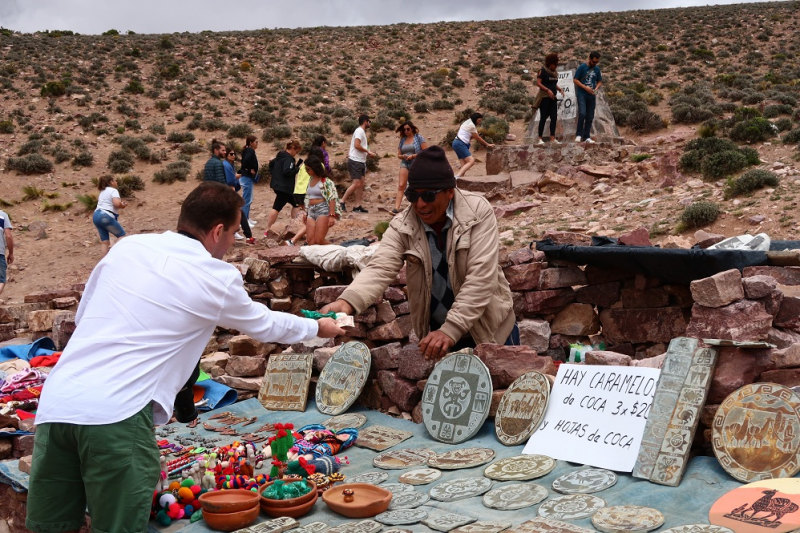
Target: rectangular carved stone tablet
<point x="381" y="438"/>
<point x="285" y="385"/>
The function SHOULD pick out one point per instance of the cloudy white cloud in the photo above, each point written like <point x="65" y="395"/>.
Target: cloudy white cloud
<point x="159" y="16"/>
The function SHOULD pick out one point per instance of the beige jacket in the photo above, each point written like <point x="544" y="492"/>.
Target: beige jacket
<point x="483" y="303"/>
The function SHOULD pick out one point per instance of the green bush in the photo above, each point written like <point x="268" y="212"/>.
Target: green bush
<point x="783" y="124"/>
<point x="751" y="154"/>
<point x="134" y="87"/>
<point x="750" y="181"/>
<point x="126" y="185"/>
<point x="6" y="126"/>
<point x="698" y="149"/>
<point x="158" y="127"/>
<point x="53" y="88"/>
<point x="61" y="154"/>
<point x="83" y="159"/>
<point x="281" y="131"/>
<point x="176" y="171"/>
<point x="754" y="130"/>
<point x="348" y="126"/>
<point x="645" y="121"/>
<point x="699" y="214"/>
<point x="120" y="161"/>
<point x="723" y="164"/>
<point x="89" y="201"/>
<point x="162" y="105"/>
<point x="31" y="192"/>
<point x="239" y="131"/>
<point x="772" y="111"/>
<point x="494" y="129"/>
<point x="421" y="107"/>
<point x="180" y="136"/>
<point x="793" y="137"/>
<point x="30" y="164"/>
<point x="688" y="114"/>
<point x="380" y="228"/>
<point x="191" y="148"/>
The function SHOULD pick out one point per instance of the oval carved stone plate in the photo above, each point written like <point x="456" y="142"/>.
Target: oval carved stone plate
<point x="457" y="398"/>
<point x="421" y="476"/>
<point x="402" y="517"/>
<point x="771" y="505"/>
<point x="571" y="507"/>
<point x="698" y="528"/>
<point x="408" y="500"/>
<point x="400" y="459"/>
<point x="585" y="481"/>
<point x="461" y="488"/>
<point x="373" y="477"/>
<point x="520" y="468"/>
<point x="522" y="408"/>
<point x="756" y="432"/>
<point x="348" y="420"/>
<point x="462" y="458"/>
<point x="397" y="488"/>
<point x="627" y="519"/>
<point x="343" y="377"/>
<point x="512" y="496"/>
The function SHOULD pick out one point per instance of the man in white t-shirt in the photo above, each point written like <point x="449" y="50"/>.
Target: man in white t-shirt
<point x="148" y="311"/>
<point x="6" y="248"/>
<point x="357" y="165"/>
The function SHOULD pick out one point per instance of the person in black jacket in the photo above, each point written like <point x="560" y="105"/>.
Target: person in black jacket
<point x="249" y="172"/>
<point x="283" y="170"/>
<point x="214" y="169"/>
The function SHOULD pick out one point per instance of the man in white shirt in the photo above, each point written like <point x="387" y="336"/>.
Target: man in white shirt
<point x="357" y="165"/>
<point x="149" y="308"/>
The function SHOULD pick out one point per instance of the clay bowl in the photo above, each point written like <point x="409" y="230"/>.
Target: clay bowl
<point x="231" y="521"/>
<point x="292" y="512"/>
<point x="368" y="500"/>
<point x="228" y="501"/>
<point x="292" y="502"/>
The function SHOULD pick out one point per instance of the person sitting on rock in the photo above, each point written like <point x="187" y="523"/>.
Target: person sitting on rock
<point x="448" y="240"/>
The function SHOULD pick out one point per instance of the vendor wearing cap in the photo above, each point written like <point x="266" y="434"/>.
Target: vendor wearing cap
<point x="449" y="241"/>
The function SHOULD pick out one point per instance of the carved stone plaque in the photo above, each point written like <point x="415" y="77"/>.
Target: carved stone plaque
<point x="520" y="468"/>
<point x="522" y="408"/>
<point x="447" y="521"/>
<point x="672" y="457"/>
<point x="373" y="478"/>
<point x="343" y="377"/>
<point x="364" y="526"/>
<point x="285" y="385"/>
<point x="756" y="432"/>
<point x="676" y="366"/>
<point x="548" y="525"/>
<point x="402" y="517"/>
<point x="400" y="459"/>
<point x="408" y="500"/>
<point x="457" y="398"/>
<point x="463" y="458"/>
<point x="627" y="519"/>
<point x="585" y="481"/>
<point x="461" y="488"/>
<point x="348" y="420"/>
<point x="483" y="527"/>
<point x="397" y="488"/>
<point x="278" y="525"/>
<point x="397" y="530"/>
<point x="313" y="527"/>
<point x="768" y="505"/>
<point x="421" y="476"/>
<point x="571" y="507"/>
<point x="510" y="496"/>
<point x="380" y="438"/>
<point x="698" y="528"/>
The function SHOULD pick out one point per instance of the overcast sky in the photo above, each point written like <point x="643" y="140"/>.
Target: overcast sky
<point x="167" y="16"/>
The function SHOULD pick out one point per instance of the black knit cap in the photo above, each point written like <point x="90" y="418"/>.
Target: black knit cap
<point x="431" y="170"/>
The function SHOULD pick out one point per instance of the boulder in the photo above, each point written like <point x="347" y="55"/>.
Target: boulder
<point x="556" y="278"/>
<point x="63" y="328"/>
<point x="782" y="338"/>
<point x="577" y="320"/>
<point x="642" y="325"/>
<point x="397" y="329"/>
<point x="788" y="377"/>
<point x="522" y="178"/>
<point x="279" y="254"/>
<point x="637" y="237"/>
<point x="214" y="364"/>
<point x="280" y="304"/>
<point x="403" y="392"/>
<point x="280" y="287"/>
<point x="497" y="395"/>
<point x="412" y="363"/>
<point x="535" y="334"/>
<point x="756" y="287"/>
<point x="256" y="270"/>
<point x="718" y="290"/>
<point x="736" y="367"/>
<point x="484" y="183"/>
<point x="541" y="301"/>
<point x="789" y="275"/>
<point x="602" y="357"/>
<point x="650" y="362"/>
<point x="245" y="366"/>
<point x="386" y="357"/>
<point x="248" y="384"/>
<point x="322" y="356"/>
<point x="42" y="320"/>
<point x="789" y="313"/>
<point x="384" y="312"/>
<point x="7" y="332"/>
<point x="25" y="464"/>
<point x="525" y="255"/>
<point x="507" y="363"/>
<point x="744" y="320"/>
<point x="772" y="303"/>
<point x="328" y="293"/>
<point x="788" y="357"/>
<point x="367" y="317"/>
<point x="248" y="346"/>
<point x="523" y="277"/>
<point x="510" y="210"/>
<point x="70" y="303"/>
<point x="47" y="296"/>
<point x="633" y="298"/>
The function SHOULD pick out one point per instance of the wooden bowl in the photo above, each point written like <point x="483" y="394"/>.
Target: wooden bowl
<point x="292" y="502"/>
<point x="368" y="500"/>
<point x="292" y="512"/>
<point x="231" y="521"/>
<point x="228" y="501"/>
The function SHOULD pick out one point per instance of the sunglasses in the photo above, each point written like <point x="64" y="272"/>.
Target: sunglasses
<point x="427" y="196"/>
<point x="406" y="129"/>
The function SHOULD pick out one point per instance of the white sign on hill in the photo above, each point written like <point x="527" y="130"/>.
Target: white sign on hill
<point x="596" y="415"/>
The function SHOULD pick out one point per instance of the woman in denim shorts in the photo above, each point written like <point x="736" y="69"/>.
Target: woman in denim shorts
<point x="321" y="201"/>
<point x="411" y="143"/>
<point x="106" y="215"/>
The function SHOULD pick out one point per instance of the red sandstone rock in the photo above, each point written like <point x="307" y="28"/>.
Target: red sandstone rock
<point x="396" y="330"/>
<point x="42" y="320"/>
<point x="403" y="308"/>
<point x="650" y="362"/>
<point x="787" y="357"/>
<point x="214" y="364"/>
<point x="556" y="278"/>
<point x="680" y="295"/>
<point x="246" y="367"/>
<point x="248" y="384"/>
<point x="279" y="254"/>
<point x="63" y="328"/>
<point x="412" y="364"/>
<point x="497" y="395"/>
<point x="510" y="210"/>
<point x="322" y="356"/>
<point x="7" y="332"/>
<point x="523" y="255"/>
<point x="642" y="325"/>
<point x="523" y="277"/>
<point x="416" y="414"/>
<point x="384" y="312"/>
<point x="784" y="275"/>
<point x="244" y="345"/>
<point x="788" y="377"/>
<point x="535" y="333"/>
<point x="596" y="275"/>
<point x="394" y="295"/>
<point x="637" y="237"/>
<point x="484" y="183"/>
<point x="46" y="296"/>
<point x="782" y="338"/>
<point x="507" y="363"/>
<point x="756" y="287"/>
<point x="280" y="304"/>
<point x="328" y="293"/>
<point x="576" y="319"/>
<point x="386" y="357"/>
<point x="403" y="392"/>
<point x="539" y="301"/>
<point x="603" y="295"/>
<point x="772" y="302"/>
<point x="368" y="317"/>
<point x="744" y="320"/>
<point x="736" y="367"/>
<point x="718" y="290"/>
<point x="601" y="357"/>
<point x="633" y="298"/>
<point x="789" y="313"/>
<point x="255" y="270"/>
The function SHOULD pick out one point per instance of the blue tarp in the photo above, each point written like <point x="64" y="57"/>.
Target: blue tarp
<point x="26" y="352"/>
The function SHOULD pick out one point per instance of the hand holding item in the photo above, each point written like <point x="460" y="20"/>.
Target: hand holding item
<point x="339" y="306"/>
<point x="328" y="328"/>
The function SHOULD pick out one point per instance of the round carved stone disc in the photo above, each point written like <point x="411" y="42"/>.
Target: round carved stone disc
<point x="520" y="468"/>
<point x="459" y="489"/>
<point x="627" y="519"/>
<point x="402" y="517"/>
<point x="399" y="459"/>
<point x="698" y="528"/>
<point x="756" y="432"/>
<point x="408" y="500"/>
<point x="457" y="398"/>
<point x="348" y="420"/>
<point x="462" y="458"/>
<point x="571" y="507"/>
<point x="585" y="481"/>
<point x="373" y="478"/>
<point x="512" y="496"/>
<point x="522" y="408"/>
<point x="343" y="377"/>
<point x="421" y="476"/>
<point x="739" y="509"/>
<point x="397" y="488"/>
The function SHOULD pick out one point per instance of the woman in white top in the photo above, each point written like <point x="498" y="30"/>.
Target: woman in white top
<point x="106" y="214"/>
<point x="467" y="132"/>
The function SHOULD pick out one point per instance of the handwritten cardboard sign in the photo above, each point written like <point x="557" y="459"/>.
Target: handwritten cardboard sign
<point x="596" y="415"/>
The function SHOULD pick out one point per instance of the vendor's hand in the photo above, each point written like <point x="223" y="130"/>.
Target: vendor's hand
<point x="339" y="306"/>
<point x="436" y="345"/>
<point x="328" y="328"/>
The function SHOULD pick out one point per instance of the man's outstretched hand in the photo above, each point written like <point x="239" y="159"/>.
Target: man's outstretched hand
<point x="435" y="345"/>
<point x="339" y="306"/>
<point x="328" y="328"/>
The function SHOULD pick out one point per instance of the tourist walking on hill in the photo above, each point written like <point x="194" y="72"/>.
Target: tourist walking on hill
<point x="6" y="248"/>
<point x="106" y="215"/>
<point x="249" y="172"/>
<point x="232" y="179"/>
<point x="357" y="165"/>
<point x="301" y="186"/>
<point x="320" y="202"/>
<point x="466" y="133"/>
<point x="547" y="81"/>
<point x="587" y="82"/>
<point x="411" y="144"/>
<point x="322" y="143"/>
<point x="284" y="171"/>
